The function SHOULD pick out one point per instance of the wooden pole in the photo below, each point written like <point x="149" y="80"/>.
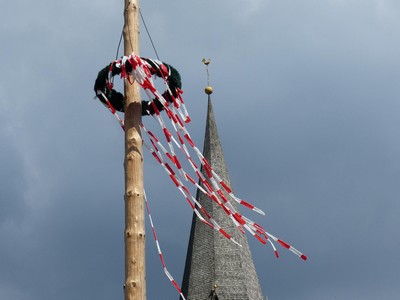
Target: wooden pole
<point x="135" y="273"/>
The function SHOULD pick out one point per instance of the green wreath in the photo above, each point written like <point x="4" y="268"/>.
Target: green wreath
<point x="103" y="87"/>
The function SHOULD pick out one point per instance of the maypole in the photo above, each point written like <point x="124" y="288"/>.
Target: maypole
<point x="135" y="273"/>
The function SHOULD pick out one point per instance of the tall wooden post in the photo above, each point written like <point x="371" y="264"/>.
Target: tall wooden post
<point x="135" y="273"/>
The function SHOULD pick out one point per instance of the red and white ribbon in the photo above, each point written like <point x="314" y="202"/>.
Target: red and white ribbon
<point x="112" y="110"/>
<point x="189" y="197"/>
<point x="160" y="254"/>
<point x="213" y="186"/>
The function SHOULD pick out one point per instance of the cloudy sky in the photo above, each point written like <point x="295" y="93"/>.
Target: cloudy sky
<point x="307" y="101"/>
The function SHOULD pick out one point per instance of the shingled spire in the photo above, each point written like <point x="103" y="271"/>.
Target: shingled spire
<point x="216" y="268"/>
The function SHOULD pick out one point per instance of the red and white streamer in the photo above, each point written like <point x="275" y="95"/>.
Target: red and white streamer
<point x="160" y="254"/>
<point x="189" y="197"/>
<point x="112" y="110"/>
<point x="211" y="184"/>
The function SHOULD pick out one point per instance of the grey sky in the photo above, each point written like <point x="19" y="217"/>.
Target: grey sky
<point x="307" y="103"/>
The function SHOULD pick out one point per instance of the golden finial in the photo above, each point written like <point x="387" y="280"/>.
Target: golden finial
<point x="208" y="90"/>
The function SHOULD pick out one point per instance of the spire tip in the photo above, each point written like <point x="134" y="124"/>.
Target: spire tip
<point x="208" y="90"/>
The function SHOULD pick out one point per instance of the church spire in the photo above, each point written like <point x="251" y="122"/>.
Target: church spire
<point x="216" y="268"/>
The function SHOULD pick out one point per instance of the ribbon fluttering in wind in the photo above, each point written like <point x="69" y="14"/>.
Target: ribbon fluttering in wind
<point x="179" y="139"/>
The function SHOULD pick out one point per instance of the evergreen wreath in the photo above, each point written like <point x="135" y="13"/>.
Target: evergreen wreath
<point x="103" y="86"/>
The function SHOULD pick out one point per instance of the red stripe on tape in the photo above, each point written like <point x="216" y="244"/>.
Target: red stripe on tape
<point x="194" y="165"/>
<point x="224" y="233"/>
<point x="227" y="211"/>
<point x="169" y="168"/>
<point x="190" y="179"/>
<point x="174" y="180"/>
<point x="170" y="157"/>
<point x="190" y="202"/>
<point x="180" y="121"/>
<point x="287" y="246"/>
<point x="123" y="71"/>
<point x="241" y="229"/>
<point x="227" y="189"/>
<point x="110" y="107"/>
<point x="206" y="213"/>
<point x="177" y="163"/>
<point x="185" y="189"/>
<point x="167" y="134"/>
<point x="247" y="204"/>
<point x="206" y="164"/>
<point x="208" y="223"/>
<point x="221" y="194"/>
<point x="154" y="145"/>
<point x="180" y="139"/>
<point x="200" y="176"/>
<point x="162" y="260"/>
<point x="148" y="85"/>
<point x="208" y="171"/>
<point x="154" y="233"/>
<point x="208" y="186"/>
<point x="133" y="62"/>
<point x="239" y="218"/>
<point x="153" y="105"/>
<point x="213" y="197"/>
<point x="176" y="104"/>
<point x="260" y="239"/>
<point x="176" y="286"/>
<point x="156" y="157"/>
<point x="171" y="115"/>
<point x="152" y="135"/>
<point x="179" y="92"/>
<point x="187" y="137"/>
<point x="259" y="228"/>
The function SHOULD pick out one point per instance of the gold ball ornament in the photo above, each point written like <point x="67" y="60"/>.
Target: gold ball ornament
<point x="208" y="90"/>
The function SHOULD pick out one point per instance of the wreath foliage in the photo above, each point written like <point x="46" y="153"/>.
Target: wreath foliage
<point x="103" y="85"/>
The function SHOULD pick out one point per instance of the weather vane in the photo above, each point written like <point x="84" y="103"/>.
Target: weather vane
<point x="208" y="90"/>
